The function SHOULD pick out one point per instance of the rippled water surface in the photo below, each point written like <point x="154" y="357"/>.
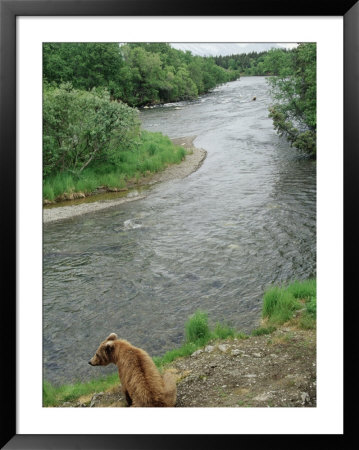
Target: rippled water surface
<point x="213" y="240"/>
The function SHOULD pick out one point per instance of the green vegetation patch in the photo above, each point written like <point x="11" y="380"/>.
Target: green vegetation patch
<point x="197" y="335"/>
<point x="136" y="73"/>
<point x="56" y="395"/>
<point x="280" y="303"/>
<point x="263" y="330"/>
<point x="152" y="152"/>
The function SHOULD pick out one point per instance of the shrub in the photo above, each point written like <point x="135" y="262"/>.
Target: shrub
<point x="81" y="127"/>
<point x="196" y="328"/>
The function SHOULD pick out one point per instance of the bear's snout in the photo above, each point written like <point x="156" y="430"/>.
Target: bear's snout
<point x="90" y="363"/>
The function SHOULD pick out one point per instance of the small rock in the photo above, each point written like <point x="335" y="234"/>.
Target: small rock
<point x="305" y="397"/>
<point x="262" y="397"/>
<point x="209" y="348"/>
<point x="257" y="355"/>
<point x="95" y="399"/>
<point x="223" y="347"/>
<point x="251" y="375"/>
<point x="197" y="352"/>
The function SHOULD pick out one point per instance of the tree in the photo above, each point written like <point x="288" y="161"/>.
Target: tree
<point x="86" y="65"/>
<point x="82" y="127"/>
<point x="294" y="110"/>
<point x="136" y="73"/>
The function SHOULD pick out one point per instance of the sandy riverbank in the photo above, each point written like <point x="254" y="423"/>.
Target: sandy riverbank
<point x="191" y="163"/>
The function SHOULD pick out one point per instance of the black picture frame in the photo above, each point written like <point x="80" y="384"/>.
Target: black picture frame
<point x="9" y="10"/>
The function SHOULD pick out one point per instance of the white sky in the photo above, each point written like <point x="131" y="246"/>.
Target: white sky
<point x="228" y="48"/>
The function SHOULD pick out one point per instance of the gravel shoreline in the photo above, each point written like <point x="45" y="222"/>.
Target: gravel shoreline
<point x="191" y="163"/>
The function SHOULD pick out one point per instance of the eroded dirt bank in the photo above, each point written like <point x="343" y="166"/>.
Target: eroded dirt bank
<point x="275" y="370"/>
<point x="194" y="159"/>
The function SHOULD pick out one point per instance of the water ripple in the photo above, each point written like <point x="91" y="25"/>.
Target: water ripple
<point x="215" y="240"/>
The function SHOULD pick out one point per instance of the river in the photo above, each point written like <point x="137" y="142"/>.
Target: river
<point x="212" y="241"/>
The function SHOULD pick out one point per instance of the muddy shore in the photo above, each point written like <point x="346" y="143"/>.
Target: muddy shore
<point x="194" y="159"/>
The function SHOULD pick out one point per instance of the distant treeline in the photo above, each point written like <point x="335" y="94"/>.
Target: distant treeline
<point x="137" y="73"/>
<point x="262" y="63"/>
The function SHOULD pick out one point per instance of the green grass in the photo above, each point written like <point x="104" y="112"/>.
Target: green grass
<point x="197" y="335"/>
<point x="280" y="303"/>
<point x="56" y="395"/>
<point x="303" y="289"/>
<point x="153" y="153"/>
<point x="196" y="328"/>
<point x="263" y="330"/>
<point x="309" y="318"/>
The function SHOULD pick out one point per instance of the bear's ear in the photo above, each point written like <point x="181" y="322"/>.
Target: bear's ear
<point x="112" y="337"/>
<point x="108" y="347"/>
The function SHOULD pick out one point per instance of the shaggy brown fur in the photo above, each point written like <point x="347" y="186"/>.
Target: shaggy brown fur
<point x="141" y="382"/>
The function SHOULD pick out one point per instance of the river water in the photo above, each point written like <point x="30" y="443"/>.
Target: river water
<point x="212" y="241"/>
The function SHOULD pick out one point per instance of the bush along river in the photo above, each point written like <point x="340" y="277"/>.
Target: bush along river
<point x="211" y="241"/>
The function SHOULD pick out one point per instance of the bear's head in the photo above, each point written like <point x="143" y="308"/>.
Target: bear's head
<point x="104" y="354"/>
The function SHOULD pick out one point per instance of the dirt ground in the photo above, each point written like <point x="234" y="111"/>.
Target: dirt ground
<point x="276" y="370"/>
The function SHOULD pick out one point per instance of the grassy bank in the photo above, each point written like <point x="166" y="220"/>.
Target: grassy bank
<point x="197" y="334"/>
<point x="293" y="304"/>
<point x="153" y="153"/>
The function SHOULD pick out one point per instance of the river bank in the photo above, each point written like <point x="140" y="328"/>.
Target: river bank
<point x="193" y="160"/>
<point x="273" y="366"/>
<point x="214" y="240"/>
<point x="272" y="370"/>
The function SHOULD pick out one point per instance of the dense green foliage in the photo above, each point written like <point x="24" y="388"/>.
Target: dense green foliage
<point x="151" y="152"/>
<point x="294" y="90"/>
<point x="137" y="73"/>
<point x="88" y="87"/>
<point x="91" y="132"/>
<point x="80" y="127"/>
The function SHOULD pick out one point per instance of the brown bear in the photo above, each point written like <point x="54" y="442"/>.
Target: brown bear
<point x="142" y="384"/>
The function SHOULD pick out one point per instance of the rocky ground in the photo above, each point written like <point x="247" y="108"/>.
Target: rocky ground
<point x="275" y="370"/>
<point x="194" y="159"/>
